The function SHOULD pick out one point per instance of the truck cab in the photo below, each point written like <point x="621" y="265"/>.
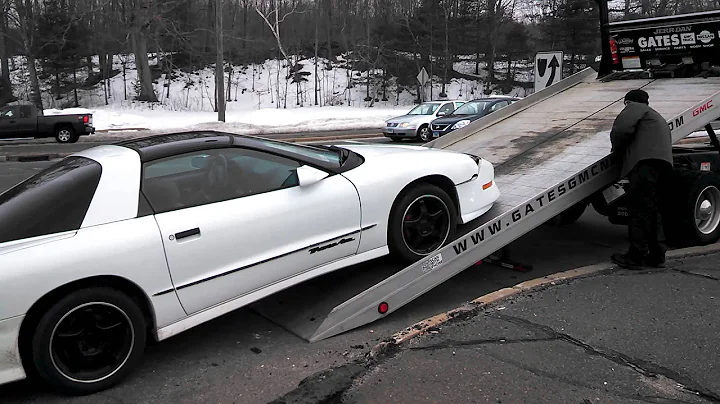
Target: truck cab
<point x="23" y="121"/>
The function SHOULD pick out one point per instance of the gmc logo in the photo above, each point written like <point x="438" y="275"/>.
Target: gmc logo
<point x="703" y="108"/>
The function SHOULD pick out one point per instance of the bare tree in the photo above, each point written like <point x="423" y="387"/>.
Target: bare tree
<point x="219" y="86"/>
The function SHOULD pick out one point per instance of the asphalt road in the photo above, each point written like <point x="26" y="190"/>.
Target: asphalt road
<point x="40" y="146"/>
<point x="620" y="337"/>
<point x="243" y="357"/>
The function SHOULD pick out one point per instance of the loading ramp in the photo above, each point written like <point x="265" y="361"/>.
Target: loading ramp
<point x="551" y="150"/>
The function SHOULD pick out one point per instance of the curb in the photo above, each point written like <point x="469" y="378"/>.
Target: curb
<point x="432" y="324"/>
<point x="34" y="157"/>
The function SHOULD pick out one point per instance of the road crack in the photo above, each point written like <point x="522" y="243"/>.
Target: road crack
<point x="478" y="342"/>
<point x="643" y="367"/>
<point x="697" y="274"/>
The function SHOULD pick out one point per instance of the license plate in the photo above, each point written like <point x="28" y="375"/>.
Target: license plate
<point x="390" y="131"/>
<point x="436" y="134"/>
<point x="613" y="192"/>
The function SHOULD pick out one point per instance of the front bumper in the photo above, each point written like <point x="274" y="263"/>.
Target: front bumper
<point x="477" y="196"/>
<point x="397" y="132"/>
<point x="436" y="133"/>
<point x="11" y="368"/>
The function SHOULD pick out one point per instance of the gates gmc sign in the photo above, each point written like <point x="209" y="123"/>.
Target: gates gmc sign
<point x="668" y="39"/>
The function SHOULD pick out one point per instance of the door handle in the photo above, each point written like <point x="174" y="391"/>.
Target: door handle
<point x="187" y="233"/>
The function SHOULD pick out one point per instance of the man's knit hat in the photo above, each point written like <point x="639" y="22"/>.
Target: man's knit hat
<point x="637" y="96"/>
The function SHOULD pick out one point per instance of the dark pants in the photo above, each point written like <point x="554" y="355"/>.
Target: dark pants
<point x="645" y="195"/>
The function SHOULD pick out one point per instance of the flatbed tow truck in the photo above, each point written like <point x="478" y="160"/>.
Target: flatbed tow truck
<point x="552" y="157"/>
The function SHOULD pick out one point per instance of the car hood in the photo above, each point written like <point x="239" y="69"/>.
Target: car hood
<point x="450" y="119"/>
<point x="409" y="118"/>
<point x="376" y="150"/>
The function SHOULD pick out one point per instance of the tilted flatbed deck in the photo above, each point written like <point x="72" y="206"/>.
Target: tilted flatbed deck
<point x="550" y="151"/>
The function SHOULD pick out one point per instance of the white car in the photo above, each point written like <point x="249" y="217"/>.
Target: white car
<point x="416" y="123"/>
<point x="150" y="237"/>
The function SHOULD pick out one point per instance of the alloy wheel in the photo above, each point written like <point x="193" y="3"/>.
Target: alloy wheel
<point x="92" y="342"/>
<point x="426" y="224"/>
<point x="64" y="135"/>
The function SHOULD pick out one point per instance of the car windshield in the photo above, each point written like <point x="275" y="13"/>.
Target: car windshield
<point x="472" y="108"/>
<point x="424" y="109"/>
<point x="334" y="156"/>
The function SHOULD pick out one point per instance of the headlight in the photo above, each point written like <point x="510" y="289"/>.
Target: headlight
<point x="407" y="125"/>
<point x="461" y="124"/>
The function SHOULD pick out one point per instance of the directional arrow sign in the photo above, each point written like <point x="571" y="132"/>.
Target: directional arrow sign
<point x="548" y="69"/>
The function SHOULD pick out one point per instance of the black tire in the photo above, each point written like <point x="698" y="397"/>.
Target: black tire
<point x="112" y="313"/>
<point x="66" y="134"/>
<point x="424" y="134"/>
<point x="688" y="190"/>
<point x="569" y="216"/>
<point x="409" y="203"/>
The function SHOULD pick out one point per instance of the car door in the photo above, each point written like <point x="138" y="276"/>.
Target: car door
<point x="8" y="122"/>
<point x="236" y="220"/>
<point x="26" y="123"/>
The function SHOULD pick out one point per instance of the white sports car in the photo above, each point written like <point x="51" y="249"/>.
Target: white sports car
<point x="148" y="238"/>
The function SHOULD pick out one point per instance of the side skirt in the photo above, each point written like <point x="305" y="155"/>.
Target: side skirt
<point x="234" y="304"/>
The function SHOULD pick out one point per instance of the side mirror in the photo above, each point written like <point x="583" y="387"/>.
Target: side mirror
<point x="199" y="162"/>
<point x="441" y="113"/>
<point x="308" y="175"/>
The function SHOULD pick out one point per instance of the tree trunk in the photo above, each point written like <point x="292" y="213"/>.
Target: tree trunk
<point x="139" y="44"/>
<point x="316" y="50"/>
<point x="4" y="65"/>
<point x="329" y="32"/>
<point x="35" y="94"/>
<point x="89" y="63"/>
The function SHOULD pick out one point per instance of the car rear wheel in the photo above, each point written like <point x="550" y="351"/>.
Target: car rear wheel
<point x="89" y="340"/>
<point x="422" y="221"/>
<point x="65" y="134"/>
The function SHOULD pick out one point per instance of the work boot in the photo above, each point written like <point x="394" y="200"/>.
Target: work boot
<point x="655" y="259"/>
<point x="628" y="261"/>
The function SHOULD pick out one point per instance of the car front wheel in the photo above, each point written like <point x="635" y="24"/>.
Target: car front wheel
<point x="424" y="133"/>
<point x="89" y="340"/>
<point x="422" y="221"/>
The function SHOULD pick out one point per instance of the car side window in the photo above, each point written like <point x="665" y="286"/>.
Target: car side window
<point x="446" y="108"/>
<point x="52" y="201"/>
<point x="216" y="175"/>
<point x="458" y="105"/>
<point x="25" y="112"/>
<point x="11" y="112"/>
<point x="499" y="105"/>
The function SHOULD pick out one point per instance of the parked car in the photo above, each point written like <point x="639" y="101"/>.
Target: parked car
<point x="416" y="123"/>
<point x="18" y="121"/>
<point x="468" y="112"/>
<point x="152" y="236"/>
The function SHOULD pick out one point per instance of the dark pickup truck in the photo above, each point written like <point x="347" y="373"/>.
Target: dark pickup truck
<point x="22" y="121"/>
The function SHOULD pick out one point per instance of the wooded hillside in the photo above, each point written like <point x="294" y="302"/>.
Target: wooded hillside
<point x="69" y="43"/>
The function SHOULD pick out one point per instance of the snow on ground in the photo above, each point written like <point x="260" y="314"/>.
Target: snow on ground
<point x="266" y="120"/>
<point x="261" y="99"/>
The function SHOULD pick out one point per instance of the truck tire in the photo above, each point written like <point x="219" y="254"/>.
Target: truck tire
<point x="65" y="134"/>
<point x="569" y="216"/>
<point x="692" y="216"/>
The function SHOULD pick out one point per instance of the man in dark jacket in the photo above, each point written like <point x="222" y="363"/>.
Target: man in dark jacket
<point x="641" y="142"/>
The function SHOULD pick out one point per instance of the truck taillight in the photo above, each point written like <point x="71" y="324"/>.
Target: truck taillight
<point x="86" y="119"/>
